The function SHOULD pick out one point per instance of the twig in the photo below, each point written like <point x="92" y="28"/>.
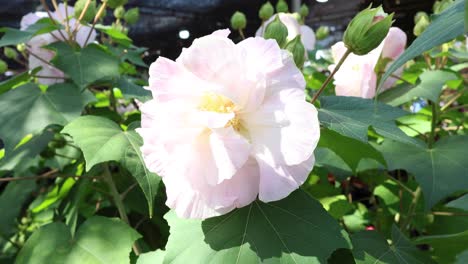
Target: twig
<point x="335" y="70"/>
<point x="402" y="185"/>
<point x="39" y="58"/>
<point x="452" y="100"/>
<point x="124" y="194"/>
<point x="412" y="207"/>
<point x="83" y="12"/>
<point x="49" y="174"/>
<point x="52" y="19"/>
<point x="96" y="18"/>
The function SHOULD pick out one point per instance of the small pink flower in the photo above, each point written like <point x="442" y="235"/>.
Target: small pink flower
<point x="357" y="76"/>
<point x="294" y="29"/>
<point x="36" y="43"/>
<point x="227" y="123"/>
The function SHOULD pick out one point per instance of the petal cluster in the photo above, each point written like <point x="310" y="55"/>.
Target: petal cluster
<point x="228" y="123"/>
<point x="39" y="56"/>
<point x="357" y="76"/>
<point x="294" y="29"/>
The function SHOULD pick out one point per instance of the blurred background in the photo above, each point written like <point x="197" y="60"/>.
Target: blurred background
<point x="165" y="26"/>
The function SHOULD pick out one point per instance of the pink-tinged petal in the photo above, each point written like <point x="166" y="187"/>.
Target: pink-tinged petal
<point x="222" y="33"/>
<point x="394" y="43"/>
<point x="212" y="119"/>
<point x="82" y="33"/>
<point x="390" y="82"/>
<point x="61" y="14"/>
<point x="308" y="37"/>
<point x="285" y="78"/>
<point x="30" y="19"/>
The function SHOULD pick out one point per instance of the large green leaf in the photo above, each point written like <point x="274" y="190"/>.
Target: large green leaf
<point x="131" y="90"/>
<point x="14" y="36"/>
<point x="440" y="170"/>
<point x="352" y="117"/>
<point x="102" y="140"/>
<point x="11" y="202"/>
<point x="294" y="230"/>
<point x="349" y="149"/>
<point x="153" y="257"/>
<point x="430" y="87"/>
<point x="99" y="240"/>
<point x="28" y="109"/>
<point x="371" y="247"/>
<point x="445" y="247"/>
<point x="460" y="203"/>
<point x="25" y="155"/>
<point x="86" y="65"/>
<point x="17" y="80"/>
<point x="443" y="28"/>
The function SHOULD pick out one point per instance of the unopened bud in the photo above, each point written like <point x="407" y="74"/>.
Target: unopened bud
<point x="440" y="6"/>
<point x="276" y="30"/>
<point x="119" y="12"/>
<point x="238" y="21"/>
<point x="367" y="30"/>
<point x="304" y="11"/>
<point x="132" y="15"/>
<point x="21" y="47"/>
<point x="3" y="67"/>
<point x="282" y="6"/>
<point x="10" y="53"/>
<point x="90" y="11"/>
<point x="322" y="32"/>
<point x="266" y="11"/>
<point x="419" y="15"/>
<point x="420" y="26"/>
<point x="116" y="3"/>
<point x="297" y="49"/>
<point x="297" y="16"/>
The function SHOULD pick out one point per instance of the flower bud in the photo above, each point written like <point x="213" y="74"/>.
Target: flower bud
<point x="297" y="49"/>
<point x="367" y="30"/>
<point x="298" y="17"/>
<point x="419" y="15"/>
<point x="276" y="30"/>
<point x="322" y="32"/>
<point x="10" y="53"/>
<point x="21" y="47"/>
<point x="440" y="6"/>
<point x="116" y="3"/>
<point x="304" y="11"/>
<point x="132" y="15"/>
<point x="420" y="26"/>
<point x="266" y="11"/>
<point x="281" y="6"/>
<point x="3" y="67"/>
<point x="119" y="12"/>
<point x="90" y="11"/>
<point x="238" y="21"/>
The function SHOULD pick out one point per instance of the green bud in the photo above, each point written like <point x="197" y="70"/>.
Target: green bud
<point x="276" y="30"/>
<point x="119" y="12"/>
<point x="367" y="30"/>
<point x="440" y="6"/>
<point x="132" y="15"/>
<point x="238" y="21"/>
<point x="282" y="6"/>
<point x="116" y="3"/>
<point x="47" y="153"/>
<point x="322" y="32"/>
<point x="297" y="16"/>
<point x="3" y="67"/>
<point x="90" y="11"/>
<point x="10" y="53"/>
<point x="297" y="49"/>
<point x="304" y="11"/>
<point x="420" y="26"/>
<point x="59" y="141"/>
<point x="21" y="47"/>
<point x="419" y="15"/>
<point x="266" y="11"/>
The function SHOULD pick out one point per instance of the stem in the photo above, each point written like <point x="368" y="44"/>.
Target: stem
<point x="52" y="19"/>
<point x="337" y="67"/>
<point x="112" y="101"/>
<point x="428" y="60"/>
<point x="412" y="207"/>
<point x="67" y="23"/>
<point x="39" y="58"/>
<point x="452" y="100"/>
<point x="50" y="77"/>
<point x="118" y="201"/>
<point x="433" y="125"/>
<point x="241" y="33"/>
<point x="83" y="12"/>
<point x="49" y="174"/>
<point x="402" y="185"/>
<point x="96" y="18"/>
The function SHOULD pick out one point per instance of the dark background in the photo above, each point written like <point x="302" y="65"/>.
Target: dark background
<point x="161" y="20"/>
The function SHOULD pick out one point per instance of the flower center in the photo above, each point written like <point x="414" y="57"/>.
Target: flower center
<point x="218" y="103"/>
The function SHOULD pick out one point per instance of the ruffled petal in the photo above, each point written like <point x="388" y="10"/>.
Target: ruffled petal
<point x="308" y="37"/>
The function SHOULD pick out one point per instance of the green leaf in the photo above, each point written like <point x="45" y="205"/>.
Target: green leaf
<point x="294" y="230"/>
<point x="429" y="88"/>
<point x="14" y="36"/>
<point x="460" y="203"/>
<point x="115" y="35"/>
<point x="153" y="257"/>
<point x="349" y="149"/>
<point x="17" y="80"/>
<point x="28" y="109"/>
<point x="337" y="206"/>
<point x="371" y="247"/>
<point x="443" y="28"/>
<point x="352" y="117"/>
<point x="440" y="171"/>
<point x="85" y="66"/>
<point x="56" y="194"/>
<point x="24" y="156"/>
<point x="99" y="240"/>
<point x="131" y="90"/>
<point x="445" y="247"/>
<point x="102" y="140"/>
<point x="11" y="202"/>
